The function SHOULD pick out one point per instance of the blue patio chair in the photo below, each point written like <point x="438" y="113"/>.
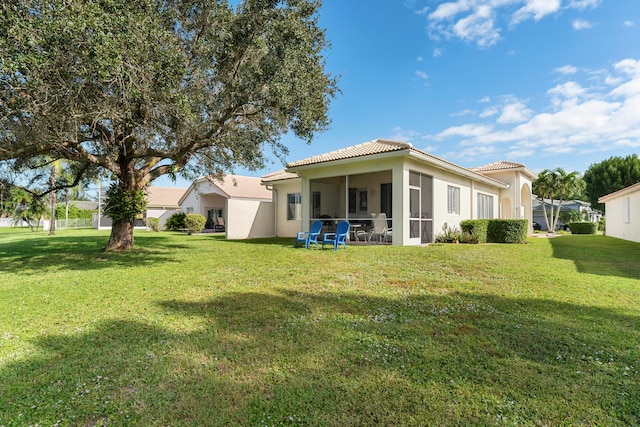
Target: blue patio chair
<point x="310" y="236"/>
<point x="339" y="237"/>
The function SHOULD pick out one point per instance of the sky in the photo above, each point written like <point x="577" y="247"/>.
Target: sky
<point x="547" y="83"/>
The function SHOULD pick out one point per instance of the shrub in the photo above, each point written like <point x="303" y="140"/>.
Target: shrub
<point x="475" y="229"/>
<point x="448" y="235"/>
<point x="507" y="231"/>
<point x="194" y="223"/>
<point x="175" y="222"/>
<point x="583" y="227"/>
<point x="153" y="224"/>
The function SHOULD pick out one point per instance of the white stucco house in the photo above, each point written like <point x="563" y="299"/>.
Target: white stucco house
<point x="240" y="203"/>
<point x="162" y="202"/>
<point x="623" y="213"/>
<point x="417" y="191"/>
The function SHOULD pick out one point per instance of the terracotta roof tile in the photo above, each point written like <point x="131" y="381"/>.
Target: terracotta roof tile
<point x="377" y="146"/>
<point x="496" y="166"/>
<point x="279" y="175"/>
<point x="241" y="187"/>
<point x="164" y="197"/>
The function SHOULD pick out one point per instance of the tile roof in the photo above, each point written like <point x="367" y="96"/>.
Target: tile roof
<point x="497" y="166"/>
<point x="241" y="187"/>
<point x="279" y="175"/>
<point x="377" y="146"/>
<point x="166" y="197"/>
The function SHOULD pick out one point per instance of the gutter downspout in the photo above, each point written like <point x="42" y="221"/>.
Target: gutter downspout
<point x="275" y="209"/>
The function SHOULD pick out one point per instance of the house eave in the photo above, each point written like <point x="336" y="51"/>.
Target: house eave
<point x="452" y="167"/>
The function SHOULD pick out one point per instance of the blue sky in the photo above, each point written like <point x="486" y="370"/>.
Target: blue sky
<point x="547" y="83"/>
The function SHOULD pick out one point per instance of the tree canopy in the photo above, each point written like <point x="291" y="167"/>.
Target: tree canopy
<point x="556" y="185"/>
<point x="609" y="176"/>
<point x="144" y="88"/>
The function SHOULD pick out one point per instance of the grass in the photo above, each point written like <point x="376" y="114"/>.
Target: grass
<point x="195" y="330"/>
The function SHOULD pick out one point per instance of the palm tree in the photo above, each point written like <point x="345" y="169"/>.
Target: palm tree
<point x="557" y="185"/>
<point x="543" y="188"/>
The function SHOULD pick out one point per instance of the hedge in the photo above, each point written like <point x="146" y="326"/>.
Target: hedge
<point x="583" y="227"/>
<point x="507" y="230"/>
<point x="476" y="228"/>
<point x="194" y="223"/>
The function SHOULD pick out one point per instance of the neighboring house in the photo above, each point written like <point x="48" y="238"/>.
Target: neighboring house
<point x="162" y="202"/>
<point x="623" y="213"/>
<point x="241" y="203"/>
<point x="418" y="192"/>
<point x="567" y="206"/>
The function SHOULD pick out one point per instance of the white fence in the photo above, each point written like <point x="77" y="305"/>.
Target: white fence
<point x="74" y="223"/>
<point x="44" y="224"/>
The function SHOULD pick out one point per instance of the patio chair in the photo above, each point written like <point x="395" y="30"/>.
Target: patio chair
<point x="339" y="237"/>
<point x="218" y="223"/>
<point x="310" y="236"/>
<point x="379" y="228"/>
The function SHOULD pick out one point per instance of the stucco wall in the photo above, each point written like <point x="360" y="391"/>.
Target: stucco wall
<point x="615" y="217"/>
<point x="161" y="214"/>
<point x="249" y="219"/>
<point x="284" y="227"/>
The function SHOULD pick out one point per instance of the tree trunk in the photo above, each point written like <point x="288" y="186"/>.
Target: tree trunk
<point x="52" y="202"/>
<point x="121" y="236"/>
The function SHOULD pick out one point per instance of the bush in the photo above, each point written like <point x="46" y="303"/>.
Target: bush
<point x="475" y="230"/>
<point x="507" y="230"/>
<point x="153" y="224"/>
<point x="176" y="222"/>
<point x="194" y="223"/>
<point x="583" y="227"/>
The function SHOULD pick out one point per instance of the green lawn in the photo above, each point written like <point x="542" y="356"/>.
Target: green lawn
<point x="195" y="330"/>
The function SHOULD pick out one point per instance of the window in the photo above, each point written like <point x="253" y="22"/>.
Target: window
<point x="485" y="206"/>
<point x="294" y="206"/>
<point x="453" y="200"/>
<point x="189" y="210"/>
<point x="626" y="210"/>
<point x="358" y="200"/>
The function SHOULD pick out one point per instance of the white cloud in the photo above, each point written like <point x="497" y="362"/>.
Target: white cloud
<point x="482" y="21"/>
<point x="628" y="23"/>
<point x="462" y="113"/>
<point x="581" y="24"/>
<point x="488" y="112"/>
<point x="400" y="134"/>
<point x="578" y="117"/>
<point x="422" y="75"/>
<point x="536" y="9"/>
<point x="438" y="52"/>
<point x="469" y="130"/>
<point x="484" y="99"/>
<point x="515" y="112"/>
<point x="566" y="69"/>
<point x="583" y="4"/>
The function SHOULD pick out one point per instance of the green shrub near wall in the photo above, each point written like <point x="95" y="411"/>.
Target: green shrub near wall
<point x="476" y="228"/>
<point x="507" y="230"/>
<point x="583" y="227"/>
<point x="194" y="223"/>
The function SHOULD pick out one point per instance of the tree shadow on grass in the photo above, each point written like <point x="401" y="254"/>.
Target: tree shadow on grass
<point x="600" y="255"/>
<point x="300" y="358"/>
<point x="43" y="253"/>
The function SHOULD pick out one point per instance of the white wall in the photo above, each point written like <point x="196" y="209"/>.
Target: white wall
<point x="161" y="214"/>
<point x="284" y="227"/>
<point x="248" y="219"/>
<point x="616" y="217"/>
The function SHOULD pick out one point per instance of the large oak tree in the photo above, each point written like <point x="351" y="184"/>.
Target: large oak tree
<point x="609" y="176"/>
<point x="145" y="88"/>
